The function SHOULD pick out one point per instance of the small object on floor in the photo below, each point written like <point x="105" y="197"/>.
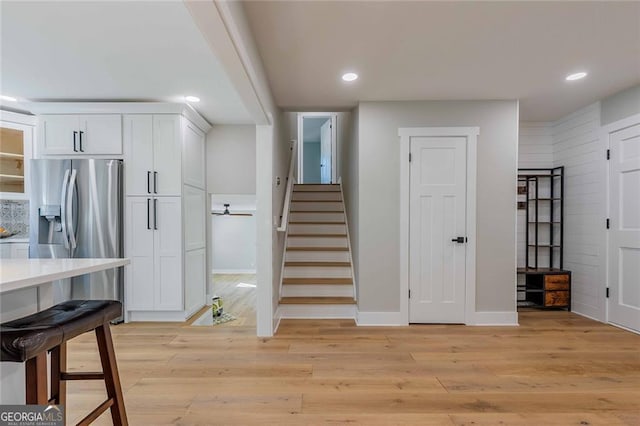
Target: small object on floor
<point x="206" y="319"/>
<point x="225" y="317"/>
<point x="216" y="307"/>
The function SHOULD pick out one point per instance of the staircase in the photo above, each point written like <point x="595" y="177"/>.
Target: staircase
<point x="317" y="275"/>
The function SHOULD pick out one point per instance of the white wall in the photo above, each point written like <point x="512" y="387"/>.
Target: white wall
<point x="234" y="244"/>
<point x="231" y="159"/>
<point x="620" y="105"/>
<point x="348" y="171"/>
<point x="378" y="188"/>
<point x="577" y="147"/>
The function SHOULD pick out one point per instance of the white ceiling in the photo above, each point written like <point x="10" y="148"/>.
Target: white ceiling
<point x="447" y="50"/>
<point x="150" y="51"/>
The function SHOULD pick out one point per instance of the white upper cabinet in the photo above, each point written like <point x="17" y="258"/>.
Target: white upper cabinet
<point x="138" y="152"/>
<point x="70" y="134"/>
<point x="193" y="156"/>
<point x="167" y="152"/>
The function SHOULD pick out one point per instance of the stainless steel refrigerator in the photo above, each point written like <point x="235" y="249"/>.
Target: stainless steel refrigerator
<point x="76" y="211"/>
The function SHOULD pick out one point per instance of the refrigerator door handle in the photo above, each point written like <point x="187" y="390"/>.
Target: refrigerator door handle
<point x="63" y="213"/>
<point x="155" y="214"/>
<point x="71" y="224"/>
<point x="148" y="212"/>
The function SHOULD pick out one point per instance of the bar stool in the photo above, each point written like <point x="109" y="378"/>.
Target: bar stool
<point x="28" y="339"/>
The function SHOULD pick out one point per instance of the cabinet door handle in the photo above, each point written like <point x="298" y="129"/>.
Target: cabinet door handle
<point x="75" y="135"/>
<point x="148" y="182"/>
<point x="155" y="182"/>
<point x="155" y="214"/>
<point x="148" y="212"/>
<point x="80" y="139"/>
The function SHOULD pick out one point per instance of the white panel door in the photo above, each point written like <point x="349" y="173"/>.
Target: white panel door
<point x="100" y="134"/>
<point x="57" y="134"/>
<point x="138" y="152"/>
<point x="139" y="233"/>
<point x="437" y="216"/>
<point x="325" y="152"/>
<point x="624" y="235"/>
<point x="193" y="157"/>
<point x="167" y="154"/>
<point x="167" y="221"/>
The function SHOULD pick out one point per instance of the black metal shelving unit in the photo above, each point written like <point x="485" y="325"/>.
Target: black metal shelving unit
<point x="544" y="235"/>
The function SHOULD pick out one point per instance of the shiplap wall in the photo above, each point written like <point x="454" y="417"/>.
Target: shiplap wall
<point x="535" y="150"/>
<point x="577" y="147"/>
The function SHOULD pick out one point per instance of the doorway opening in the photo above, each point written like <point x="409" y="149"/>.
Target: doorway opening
<point x="233" y="261"/>
<point x="317" y="148"/>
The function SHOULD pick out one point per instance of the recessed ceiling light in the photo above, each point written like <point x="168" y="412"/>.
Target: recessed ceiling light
<point x="350" y="76"/>
<point x="192" y="99"/>
<point x="8" y="98"/>
<point x="576" y="76"/>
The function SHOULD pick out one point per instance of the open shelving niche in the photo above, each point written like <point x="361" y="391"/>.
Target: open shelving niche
<point x="542" y="280"/>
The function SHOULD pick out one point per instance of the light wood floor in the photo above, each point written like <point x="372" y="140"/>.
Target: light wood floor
<point x="238" y="297"/>
<point x="557" y="368"/>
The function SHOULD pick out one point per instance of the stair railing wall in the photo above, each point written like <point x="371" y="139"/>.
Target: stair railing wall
<point x="346" y="225"/>
<point x="291" y="179"/>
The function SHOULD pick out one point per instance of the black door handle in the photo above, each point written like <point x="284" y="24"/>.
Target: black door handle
<point x="75" y="135"/>
<point x="155" y="182"/>
<point x="148" y="211"/>
<point x="155" y="214"/>
<point x="148" y="182"/>
<point x="80" y="140"/>
<point x="459" y="240"/>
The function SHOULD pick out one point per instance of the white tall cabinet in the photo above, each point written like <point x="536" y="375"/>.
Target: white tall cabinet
<point x="163" y="148"/>
<point x="165" y="217"/>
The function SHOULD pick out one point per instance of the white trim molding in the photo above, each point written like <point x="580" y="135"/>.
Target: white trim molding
<point x="380" y="319"/>
<point x="471" y="134"/>
<point x="495" y="319"/>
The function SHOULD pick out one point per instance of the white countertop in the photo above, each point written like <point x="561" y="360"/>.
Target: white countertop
<point x="15" y="239"/>
<point x="16" y="274"/>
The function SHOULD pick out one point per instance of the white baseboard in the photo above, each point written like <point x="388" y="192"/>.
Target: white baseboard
<point x="495" y="319"/>
<point x="379" y="319"/>
<point x="233" y="271"/>
<point x="157" y="316"/>
<point x="581" y="309"/>
<point x="276" y="320"/>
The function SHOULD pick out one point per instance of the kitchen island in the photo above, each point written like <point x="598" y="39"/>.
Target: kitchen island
<point x="25" y="288"/>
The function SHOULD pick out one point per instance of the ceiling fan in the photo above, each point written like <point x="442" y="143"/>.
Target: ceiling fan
<point x="226" y="212"/>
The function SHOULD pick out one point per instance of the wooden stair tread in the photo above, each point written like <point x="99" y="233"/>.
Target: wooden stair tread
<point x="316" y="263"/>
<point x="316" y="223"/>
<point x="318" y="235"/>
<point x="317" y="249"/>
<point x="316" y="211"/>
<point x="328" y="281"/>
<point x="311" y="191"/>
<point x="316" y="201"/>
<point x="317" y="301"/>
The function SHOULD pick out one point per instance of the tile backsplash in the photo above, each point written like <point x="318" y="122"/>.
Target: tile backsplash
<point x="14" y="216"/>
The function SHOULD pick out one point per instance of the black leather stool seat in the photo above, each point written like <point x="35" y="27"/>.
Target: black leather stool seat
<point x="26" y="337"/>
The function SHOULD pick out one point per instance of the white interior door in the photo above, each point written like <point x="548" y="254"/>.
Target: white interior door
<point x="624" y="235"/>
<point x="437" y="216"/>
<point x="325" y="152"/>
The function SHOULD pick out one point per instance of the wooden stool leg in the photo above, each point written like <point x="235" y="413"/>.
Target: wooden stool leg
<point x="58" y="367"/>
<point x="111" y="377"/>
<point x="36" y="379"/>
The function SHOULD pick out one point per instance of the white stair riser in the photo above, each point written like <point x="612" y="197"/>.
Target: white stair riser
<point x="312" y="206"/>
<point x="317" y="272"/>
<point x="316" y="311"/>
<point x="316" y="187"/>
<point x="316" y="242"/>
<point x="317" y="195"/>
<point x="317" y="256"/>
<point x="294" y="290"/>
<point x="298" y="228"/>
<point x="316" y="217"/>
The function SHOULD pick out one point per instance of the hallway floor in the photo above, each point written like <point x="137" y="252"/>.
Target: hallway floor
<point x="556" y="368"/>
